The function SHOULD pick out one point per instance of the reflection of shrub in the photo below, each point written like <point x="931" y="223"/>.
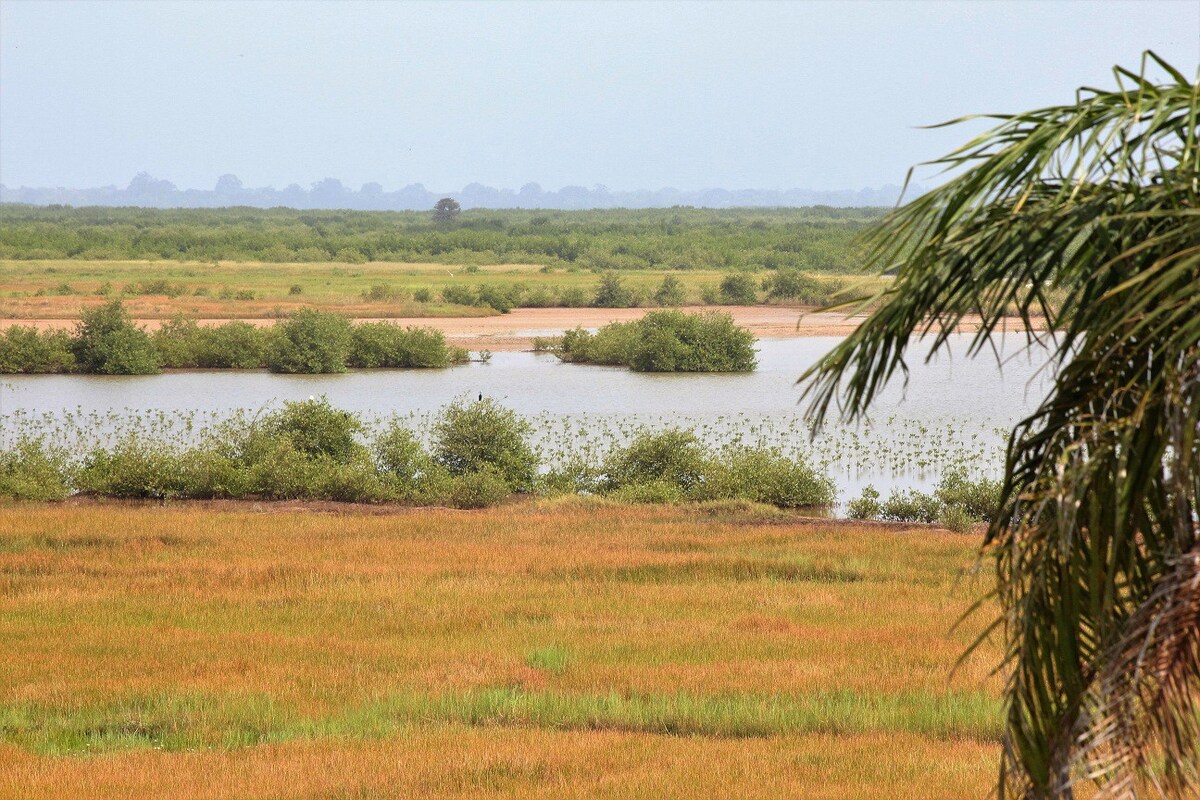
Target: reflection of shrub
<point x="309" y="342"/>
<point x="107" y="342"/>
<point x="26" y="349"/>
<point x="665" y="341"/>
<point x="470" y="437"/>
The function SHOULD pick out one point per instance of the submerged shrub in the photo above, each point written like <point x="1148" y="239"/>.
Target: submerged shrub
<point x="309" y="342"/>
<point x="25" y="349"/>
<point x="108" y="343"/>
<point x="474" y="436"/>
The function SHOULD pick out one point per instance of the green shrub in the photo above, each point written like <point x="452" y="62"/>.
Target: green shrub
<point x="108" y="343"/>
<point x="479" y="489"/>
<point x="671" y="456"/>
<point x="910" y="506"/>
<point x="406" y="467"/>
<point x="956" y="519"/>
<point x="423" y="295"/>
<point x="790" y="284"/>
<point x="474" y="436"/>
<point x="208" y="473"/>
<point x="739" y="289"/>
<point x="665" y="341"/>
<point x="233" y="345"/>
<point x="612" y="293"/>
<point x="865" y="506"/>
<point x="669" y="292"/>
<point x="31" y="471"/>
<point x="652" y="492"/>
<point x="133" y="468"/>
<point x="315" y="428"/>
<point x="28" y="350"/>
<point x="309" y="342"/>
<point x="383" y="344"/>
<point x="765" y="476"/>
<point x="979" y="498"/>
<point x="459" y="295"/>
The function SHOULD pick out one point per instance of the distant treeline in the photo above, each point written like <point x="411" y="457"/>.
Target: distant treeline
<point x="814" y="239"/>
<point x="149" y="192"/>
<point x="107" y="342"/>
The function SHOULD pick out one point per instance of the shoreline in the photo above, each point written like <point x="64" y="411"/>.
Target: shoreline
<point x="516" y="330"/>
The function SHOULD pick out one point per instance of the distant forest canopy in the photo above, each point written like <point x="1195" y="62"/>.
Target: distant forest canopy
<point x="815" y="238"/>
<point x="148" y="192"/>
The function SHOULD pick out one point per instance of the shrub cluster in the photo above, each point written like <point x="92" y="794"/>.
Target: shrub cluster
<point x="957" y="503"/>
<point x="664" y="341"/>
<point x="479" y="454"/>
<point x="674" y="465"/>
<point x="106" y="341"/>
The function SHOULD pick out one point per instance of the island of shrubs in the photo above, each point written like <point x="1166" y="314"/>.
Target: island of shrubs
<point x="662" y="341"/>
<point x="477" y="454"/>
<point x="107" y="342"/>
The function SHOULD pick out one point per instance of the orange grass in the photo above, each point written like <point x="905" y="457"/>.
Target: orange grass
<point x="124" y="628"/>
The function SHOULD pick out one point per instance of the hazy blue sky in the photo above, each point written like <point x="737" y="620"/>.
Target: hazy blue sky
<point x="633" y="95"/>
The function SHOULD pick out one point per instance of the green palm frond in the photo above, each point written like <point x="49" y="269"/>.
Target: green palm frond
<point x="1096" y="204"/>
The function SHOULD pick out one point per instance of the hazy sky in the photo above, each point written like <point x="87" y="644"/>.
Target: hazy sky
<point x="637" y="95"/>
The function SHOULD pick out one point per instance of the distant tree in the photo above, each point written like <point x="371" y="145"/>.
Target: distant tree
<point x="611" y="293"/>
<point x="446" y="210"/>
<point x="739" y="289"/>
<point x="670" y="292"/>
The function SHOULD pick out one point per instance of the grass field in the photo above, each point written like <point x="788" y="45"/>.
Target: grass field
<point x="57" y="289"/>
<point x="545" y="649"/>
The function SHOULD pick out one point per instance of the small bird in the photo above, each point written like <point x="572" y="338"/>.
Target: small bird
<point x="481" y="395"/>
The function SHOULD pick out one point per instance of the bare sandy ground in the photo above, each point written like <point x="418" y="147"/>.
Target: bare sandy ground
<point x="517" y="329"/>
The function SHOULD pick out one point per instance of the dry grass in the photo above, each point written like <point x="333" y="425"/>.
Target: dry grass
<point x="552" y="649"/>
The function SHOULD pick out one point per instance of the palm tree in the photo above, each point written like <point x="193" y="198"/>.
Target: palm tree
<point x="1088" y="217"/>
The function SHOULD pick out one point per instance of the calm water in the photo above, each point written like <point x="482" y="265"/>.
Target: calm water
<point x="951" y="413"/>
<point x="951" y="386"/>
